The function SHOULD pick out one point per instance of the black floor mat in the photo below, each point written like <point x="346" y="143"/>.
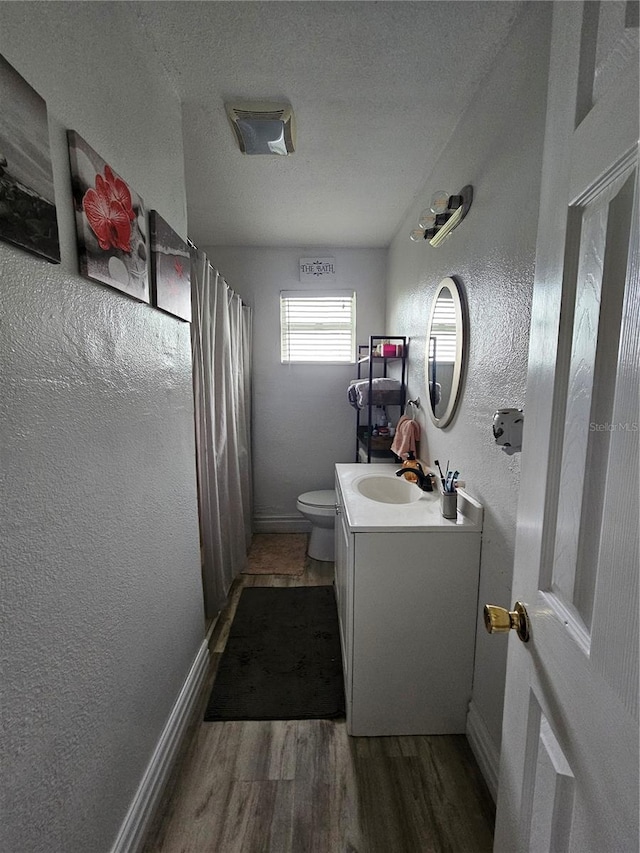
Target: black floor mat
<point x="282" y="660"/>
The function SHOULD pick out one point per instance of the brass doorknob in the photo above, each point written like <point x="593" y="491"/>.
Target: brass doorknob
<point x="499" y="620"/>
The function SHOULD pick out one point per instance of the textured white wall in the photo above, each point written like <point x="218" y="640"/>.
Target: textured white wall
<point x="302" y="422"/>
<point x="102" y="600"/>
<point x="497" y="147"/>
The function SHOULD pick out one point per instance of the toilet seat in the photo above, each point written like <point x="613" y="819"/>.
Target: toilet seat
<point x="321" y="504"/>
<point x="323" y="499"/>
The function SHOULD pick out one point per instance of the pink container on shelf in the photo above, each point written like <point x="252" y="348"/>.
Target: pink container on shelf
<point x="391" y="350"/>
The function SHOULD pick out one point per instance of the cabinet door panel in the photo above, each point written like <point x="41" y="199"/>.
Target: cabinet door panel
<point x="415" y="602"/>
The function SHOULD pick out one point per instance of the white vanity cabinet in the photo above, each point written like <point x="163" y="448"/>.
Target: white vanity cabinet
<point x="407" y="597"/>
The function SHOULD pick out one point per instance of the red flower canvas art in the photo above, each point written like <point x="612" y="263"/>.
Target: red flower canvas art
<point x="110" y="222"/>
<point x="109" y="211"/>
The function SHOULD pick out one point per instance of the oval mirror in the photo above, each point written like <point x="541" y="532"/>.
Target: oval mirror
<point x="445" y="352"/>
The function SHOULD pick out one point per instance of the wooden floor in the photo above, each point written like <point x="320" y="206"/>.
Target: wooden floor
<point x="305" y="786"/>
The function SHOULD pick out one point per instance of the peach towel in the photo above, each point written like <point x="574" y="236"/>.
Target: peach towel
<point x="406" y="437"/>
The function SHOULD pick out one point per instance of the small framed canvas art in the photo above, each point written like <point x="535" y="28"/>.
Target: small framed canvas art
<point x="170" y="269"/>
<point x="27" y="202"/>
<point x="110" y="223"/>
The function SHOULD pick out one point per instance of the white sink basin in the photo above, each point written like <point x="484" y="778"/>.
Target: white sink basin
<point x="388" y="490"/>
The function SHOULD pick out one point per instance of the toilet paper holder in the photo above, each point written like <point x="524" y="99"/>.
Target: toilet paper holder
<point x="508" y="425"/>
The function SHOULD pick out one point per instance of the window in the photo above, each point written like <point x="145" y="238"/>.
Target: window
<point x="443" y="328"/>
<point x="318" y="326"/>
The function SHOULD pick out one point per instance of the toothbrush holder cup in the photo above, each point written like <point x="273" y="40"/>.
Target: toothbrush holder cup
<point x="449" y="504"/>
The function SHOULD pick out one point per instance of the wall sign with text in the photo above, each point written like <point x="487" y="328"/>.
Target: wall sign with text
<point x="318" y="269"/>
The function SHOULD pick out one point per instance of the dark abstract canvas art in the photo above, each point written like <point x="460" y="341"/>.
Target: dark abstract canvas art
<point x="27" y="202"/>
<point x="170" y="269"/>
<point x="110" y="223"/>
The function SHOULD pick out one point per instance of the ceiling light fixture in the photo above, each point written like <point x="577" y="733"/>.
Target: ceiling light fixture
<point x="263" y="127"/>
<point x="446" y="213"/>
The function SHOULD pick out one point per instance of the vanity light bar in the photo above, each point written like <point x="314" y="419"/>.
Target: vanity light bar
<point x="446" y="213"/>
<point x="442" y="233"/>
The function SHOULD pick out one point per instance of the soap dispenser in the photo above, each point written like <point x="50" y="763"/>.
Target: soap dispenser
<point x="411" y="462"/>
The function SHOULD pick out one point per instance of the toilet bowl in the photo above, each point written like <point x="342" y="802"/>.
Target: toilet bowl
<point x="320" y="509"/>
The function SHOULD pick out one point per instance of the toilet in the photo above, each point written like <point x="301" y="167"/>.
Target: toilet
<point x="320" y="509"/>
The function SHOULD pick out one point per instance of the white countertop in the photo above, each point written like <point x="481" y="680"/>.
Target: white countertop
<point x="364" y="514"/>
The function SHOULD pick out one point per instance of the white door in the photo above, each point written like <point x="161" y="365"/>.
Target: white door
<point x="569" y="760"/>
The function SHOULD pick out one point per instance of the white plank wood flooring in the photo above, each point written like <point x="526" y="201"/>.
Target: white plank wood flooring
<point x="305" y="786"/>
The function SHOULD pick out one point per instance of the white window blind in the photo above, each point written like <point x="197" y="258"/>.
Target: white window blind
<point x="443" y="328"/>
<point x="318" y="326"/>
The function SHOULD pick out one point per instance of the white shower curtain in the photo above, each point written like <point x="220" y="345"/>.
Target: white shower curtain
<point x="221" y="347"/>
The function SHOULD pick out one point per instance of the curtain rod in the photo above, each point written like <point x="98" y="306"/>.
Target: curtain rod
<point x="216" y="271"/>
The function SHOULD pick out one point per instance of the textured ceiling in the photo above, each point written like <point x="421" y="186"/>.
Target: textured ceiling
<point x="377" y="89"/>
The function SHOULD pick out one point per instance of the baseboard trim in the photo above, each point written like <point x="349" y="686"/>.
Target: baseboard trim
<point x="482" y="746"/>
<point x="141" y="811"/>
<point x="280" y="524"/>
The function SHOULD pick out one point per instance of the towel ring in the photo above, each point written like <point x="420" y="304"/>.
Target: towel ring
<point x="410" y="410"/>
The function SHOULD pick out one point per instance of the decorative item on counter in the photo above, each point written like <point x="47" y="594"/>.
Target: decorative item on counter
<point x="411" y="462"/>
